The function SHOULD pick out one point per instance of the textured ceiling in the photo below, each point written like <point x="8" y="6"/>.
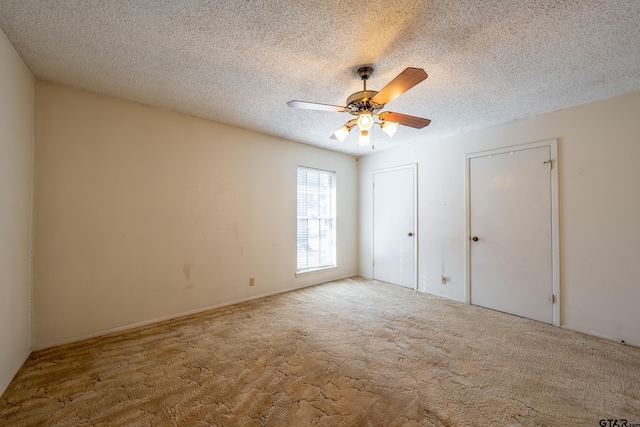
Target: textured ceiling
<point x="240" y="61"/>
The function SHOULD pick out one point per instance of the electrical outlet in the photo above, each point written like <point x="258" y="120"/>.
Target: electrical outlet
<point x="443" y="280"/>
<point x="251" y="281"/>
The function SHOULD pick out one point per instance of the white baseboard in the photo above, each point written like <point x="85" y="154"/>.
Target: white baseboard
<point x="604" y="337"/>
<point x="447" y="297"/>
<point x="6" y="381"/>
<point x="177" y="315"/>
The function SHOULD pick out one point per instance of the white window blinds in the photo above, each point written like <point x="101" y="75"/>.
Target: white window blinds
<point x="316" y="219"/>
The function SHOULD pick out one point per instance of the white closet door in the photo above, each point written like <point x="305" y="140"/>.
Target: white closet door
<point x="510" y="225"/>
<point x="393" y="226"/>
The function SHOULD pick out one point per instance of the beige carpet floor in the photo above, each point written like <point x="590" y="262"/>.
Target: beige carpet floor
<point x="348" y="353"/>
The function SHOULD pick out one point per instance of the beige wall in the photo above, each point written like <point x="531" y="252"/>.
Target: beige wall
<point x="599" y="178"/>
<point x="16" y="171"/>
<point x="142" y="214"/>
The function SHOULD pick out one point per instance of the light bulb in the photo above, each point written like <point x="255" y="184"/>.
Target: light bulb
<point x="389" y="128"/>
<point x="342" y="133"/>
<point x="364" y="139"/>
<point x="365" y="121"/>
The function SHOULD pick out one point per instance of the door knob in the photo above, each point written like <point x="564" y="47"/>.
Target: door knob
<point x="474" y="238"/>
<point x="409" y="234"/>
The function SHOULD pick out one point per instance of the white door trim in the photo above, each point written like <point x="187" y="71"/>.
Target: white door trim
<point x="414" y="167"/>
<point x="555" y="217"/>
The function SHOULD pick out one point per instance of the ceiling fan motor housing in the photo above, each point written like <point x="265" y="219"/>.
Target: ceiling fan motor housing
<point x="361" y="101"/>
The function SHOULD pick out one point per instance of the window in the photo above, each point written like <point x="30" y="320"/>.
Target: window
<point x="316" y="219"/>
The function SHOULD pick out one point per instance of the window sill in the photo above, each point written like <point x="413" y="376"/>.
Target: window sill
<point x="302" y="273"/>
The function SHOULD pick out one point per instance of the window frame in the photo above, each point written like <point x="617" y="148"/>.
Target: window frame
<point x="332" y="218"/>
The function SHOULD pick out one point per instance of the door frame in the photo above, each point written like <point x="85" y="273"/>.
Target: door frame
<point x="555" y="217"/>
<point x="414" y="167"/>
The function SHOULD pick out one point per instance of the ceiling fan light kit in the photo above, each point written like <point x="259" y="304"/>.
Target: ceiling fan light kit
<point x="367" y="105"/>
<point x="389" y="128"/>
<point x="342" y="133"/>
<point x="364" y="139"/>
<point x="365" y="120"/>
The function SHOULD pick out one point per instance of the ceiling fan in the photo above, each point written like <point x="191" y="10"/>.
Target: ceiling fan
<point x="368" y="104"/>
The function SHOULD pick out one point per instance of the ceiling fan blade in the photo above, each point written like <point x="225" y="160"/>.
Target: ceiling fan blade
<point x="315" y="106"/>
<point x="402" y="83"/>
<point x="405" y="120"/>
<point x="349" y="125"/>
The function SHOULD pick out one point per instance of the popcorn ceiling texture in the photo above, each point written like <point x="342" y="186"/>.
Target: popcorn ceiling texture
<point x="239" y="62"/>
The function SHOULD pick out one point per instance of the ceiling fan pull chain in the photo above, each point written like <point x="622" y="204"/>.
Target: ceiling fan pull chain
<point x="373" y="139"/>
